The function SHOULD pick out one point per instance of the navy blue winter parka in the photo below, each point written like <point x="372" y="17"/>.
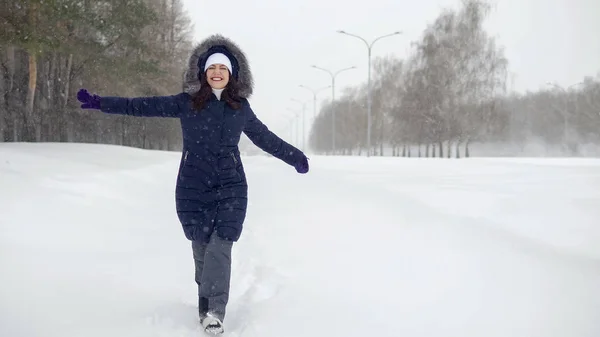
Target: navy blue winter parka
<point x="211" y="189"/>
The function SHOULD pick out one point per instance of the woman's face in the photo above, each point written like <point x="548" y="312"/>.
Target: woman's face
<point x="217" y="76"/>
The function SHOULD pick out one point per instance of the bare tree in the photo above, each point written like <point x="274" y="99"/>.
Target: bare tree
<point x="443" y="95"/>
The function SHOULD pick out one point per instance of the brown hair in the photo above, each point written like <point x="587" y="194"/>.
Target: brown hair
<point x="229" y="95"/>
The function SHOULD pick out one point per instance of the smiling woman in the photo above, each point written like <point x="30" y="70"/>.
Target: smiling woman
<point x="221" y="69"/>
<point x="211" y="190"/>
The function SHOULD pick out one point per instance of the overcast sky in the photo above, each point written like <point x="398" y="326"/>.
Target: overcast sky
<point x="544" y="40"/>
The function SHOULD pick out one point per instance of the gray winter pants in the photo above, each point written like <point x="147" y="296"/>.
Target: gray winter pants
<point x="213" y="273"/>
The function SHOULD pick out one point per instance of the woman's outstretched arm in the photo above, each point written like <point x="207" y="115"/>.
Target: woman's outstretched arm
<point x="154" y="106"/>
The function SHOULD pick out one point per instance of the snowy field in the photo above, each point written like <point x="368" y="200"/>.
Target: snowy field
<point x="90" y="246"/>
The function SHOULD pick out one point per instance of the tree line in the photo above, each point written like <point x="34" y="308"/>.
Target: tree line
<point x="51" y="48"/>
<point x="452" y="92"/>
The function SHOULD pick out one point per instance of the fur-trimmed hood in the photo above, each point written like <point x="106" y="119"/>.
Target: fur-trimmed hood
<point x="191" y="83"/>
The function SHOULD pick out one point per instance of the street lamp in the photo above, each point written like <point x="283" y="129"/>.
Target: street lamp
<point x="565" y="112"/>
<point x="290" y="120"/>
<point x="369" y="47"/>
<point x="333" y="75"/>
<point x="303" y="122"/>
<point x="561" y="88"/>
<point x="297" y="115"/>
<point x="314" y="92"/>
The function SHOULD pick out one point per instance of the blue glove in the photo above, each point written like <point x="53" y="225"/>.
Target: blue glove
<point x="302" y="165"/>
<point x="89" y="101"/>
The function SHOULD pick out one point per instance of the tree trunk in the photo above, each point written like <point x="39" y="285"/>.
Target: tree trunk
<point x="30" y="124"/>
<point x="53" y="128"/>
<point x="144" y="133"/>
<point x="11" y="105"/>
<point x="66" y="122"/>
<point x="457" y="149"/>
<point x="42" y="102"/>
<point x="3" y="95"/>
<point x="31" y="129"/>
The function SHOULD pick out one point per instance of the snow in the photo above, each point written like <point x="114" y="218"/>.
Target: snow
<point x="90" y="246"/>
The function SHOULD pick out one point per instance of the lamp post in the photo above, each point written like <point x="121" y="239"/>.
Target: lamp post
<point x="303" y="122"/>
<point x="565" y="113"/>
<point x="369" y="47"/>
<point x="291" y="126"/>
<point x="297" y="115"/>
<point x="314" y="92"/>
<point x="291" y="121"/>
<point x="333" y="75"/>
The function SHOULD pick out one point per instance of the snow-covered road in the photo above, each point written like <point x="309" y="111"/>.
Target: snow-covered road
<point x="90" y="246"/>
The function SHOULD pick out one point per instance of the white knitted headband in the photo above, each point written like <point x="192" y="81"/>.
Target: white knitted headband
<point x="218" y="58"/>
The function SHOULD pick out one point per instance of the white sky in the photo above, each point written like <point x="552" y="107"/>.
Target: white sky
<point x="544" y="40"/>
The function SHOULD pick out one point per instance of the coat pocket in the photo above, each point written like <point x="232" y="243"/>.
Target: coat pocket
<point x="228" y="169"/>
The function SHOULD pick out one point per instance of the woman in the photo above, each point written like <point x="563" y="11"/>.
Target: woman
<point x="211" y="189"/>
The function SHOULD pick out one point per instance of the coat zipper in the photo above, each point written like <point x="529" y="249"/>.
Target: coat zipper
<point x="183" y="162"/>
<point x="233" y="156"/>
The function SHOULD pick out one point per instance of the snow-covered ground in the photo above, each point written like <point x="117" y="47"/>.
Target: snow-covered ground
<point x="90" y="246"/>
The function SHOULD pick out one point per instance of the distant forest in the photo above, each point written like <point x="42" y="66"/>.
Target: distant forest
<point x="450" y="93"/>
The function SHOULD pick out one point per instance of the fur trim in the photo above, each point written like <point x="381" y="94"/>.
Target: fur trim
<point x="191" y="83"/>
